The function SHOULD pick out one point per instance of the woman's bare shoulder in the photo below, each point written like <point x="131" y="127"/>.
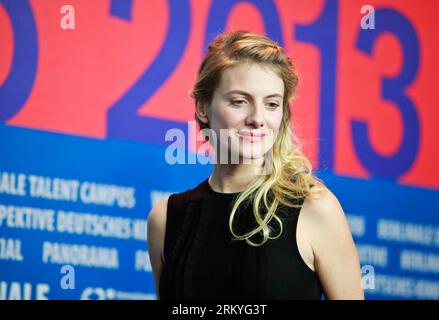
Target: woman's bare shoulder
<point x="156" y="232"/>
<point x="324" y="218"/>
<point x="334" y="251"/>
<point x="323" y="204"/>
<point x="157" y="215"/>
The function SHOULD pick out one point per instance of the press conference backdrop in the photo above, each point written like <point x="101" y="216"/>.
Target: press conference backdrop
<point x="89" y="90"/>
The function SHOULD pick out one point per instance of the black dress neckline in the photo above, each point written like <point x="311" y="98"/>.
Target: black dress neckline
<point x="223" y="194"/>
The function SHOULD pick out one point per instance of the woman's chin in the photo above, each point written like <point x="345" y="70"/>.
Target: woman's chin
<point x="254" y="152"/>
<point x="247" y="152"/>
<point x="251" y="157"/>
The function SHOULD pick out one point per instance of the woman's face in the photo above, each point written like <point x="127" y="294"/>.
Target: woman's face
<point x="247" y="106"/>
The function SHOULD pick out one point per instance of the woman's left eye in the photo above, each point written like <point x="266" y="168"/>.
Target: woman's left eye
<point x="238" y="102"/>
<point x="273" y="105"/>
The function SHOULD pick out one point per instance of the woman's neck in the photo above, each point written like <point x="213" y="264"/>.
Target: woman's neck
<point x="231" y="178"/>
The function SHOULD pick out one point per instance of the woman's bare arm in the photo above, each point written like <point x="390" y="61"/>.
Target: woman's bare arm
<point x="336" y="258"/>
<point x="156" y="238"/>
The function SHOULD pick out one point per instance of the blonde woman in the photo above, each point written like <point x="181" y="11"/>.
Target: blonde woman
<point x="262" y="226"/>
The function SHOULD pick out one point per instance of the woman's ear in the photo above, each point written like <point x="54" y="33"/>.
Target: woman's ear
<point x="200" y="110"/>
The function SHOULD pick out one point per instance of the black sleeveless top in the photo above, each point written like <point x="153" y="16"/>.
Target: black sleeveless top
<point x="203" y="262"/>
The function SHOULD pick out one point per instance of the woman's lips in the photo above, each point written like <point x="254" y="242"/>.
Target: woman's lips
<point x="252" y="137"/>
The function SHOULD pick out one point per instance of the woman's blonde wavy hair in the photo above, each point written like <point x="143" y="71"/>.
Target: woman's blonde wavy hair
<point x="290" y="176"/>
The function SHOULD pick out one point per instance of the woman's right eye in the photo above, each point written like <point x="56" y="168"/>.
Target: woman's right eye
<point x="238" y="102"/>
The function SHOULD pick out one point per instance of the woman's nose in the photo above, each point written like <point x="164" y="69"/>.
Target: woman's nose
<point x="256" y="117"/>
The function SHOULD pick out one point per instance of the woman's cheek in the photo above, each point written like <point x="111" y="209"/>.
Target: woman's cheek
<point x="276" y="124"/>
<point x="231" y="119"/>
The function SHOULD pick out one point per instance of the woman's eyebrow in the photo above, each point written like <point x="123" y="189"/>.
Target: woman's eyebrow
<point x="238" y="92"/>
<point x="274" y="95"/>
